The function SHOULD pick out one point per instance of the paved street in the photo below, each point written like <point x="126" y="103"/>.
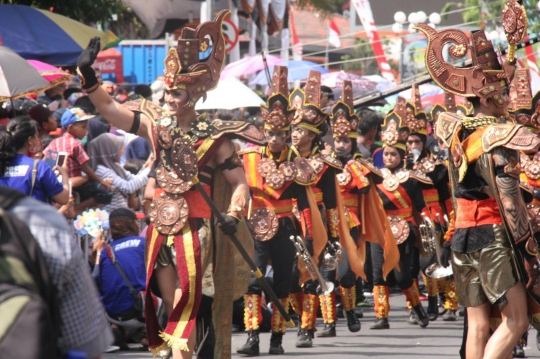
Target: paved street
<point x="401" y="341"/>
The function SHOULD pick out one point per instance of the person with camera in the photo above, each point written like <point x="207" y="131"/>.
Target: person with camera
<point x="127" y="249"/>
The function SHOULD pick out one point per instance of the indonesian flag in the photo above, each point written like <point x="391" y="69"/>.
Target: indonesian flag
<point x="297" y="47"/>
<point x="363" y="10"/>
<point x="333" y="34"/>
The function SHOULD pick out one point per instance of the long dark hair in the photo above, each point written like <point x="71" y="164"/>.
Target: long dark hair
<point x="19" y="129"/>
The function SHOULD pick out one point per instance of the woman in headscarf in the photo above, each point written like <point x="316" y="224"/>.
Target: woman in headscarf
<point x="105" y="152"/>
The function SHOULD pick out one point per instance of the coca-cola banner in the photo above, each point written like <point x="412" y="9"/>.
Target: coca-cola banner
<point x="110" y="62"/>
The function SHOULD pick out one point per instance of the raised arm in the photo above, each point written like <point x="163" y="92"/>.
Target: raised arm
<point x="117" y="115"/>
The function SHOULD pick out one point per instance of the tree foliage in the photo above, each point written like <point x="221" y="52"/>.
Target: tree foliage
<point x="488" y="12"/>
<point x="86" y="11"/>
<point x="326" y="7"/>
<point x="366" y="64"/>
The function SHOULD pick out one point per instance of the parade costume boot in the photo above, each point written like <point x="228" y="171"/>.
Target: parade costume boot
<point x="413" y="319"/>
<point x="252" y="321"/>
<point x="432" y="291"/>
<point x="296" y="301"/>
<point x="538" y="340"/>
<point x="275" y="343"/>
<point x="309" y="315"/>
<point x="441" y="285"/>
<point x="451" y="303"/>
<point x="413" y="297"/>
<point x="251" y="347"/>
<point x="348" y="300"/>
<point x="381" y="295"/>
<point x="328" y="309"/>
<point x="279" y="326"/>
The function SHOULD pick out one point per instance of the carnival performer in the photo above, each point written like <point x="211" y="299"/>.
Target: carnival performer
<point x="423" y="163"/>
<point x="401" y="194"/>
<point x="366" y="218"/>
<point x="191" y="266"/>
<point x="524" y="110"/>
<point x="317" y="174"/>
<point x="271" y="182"/>
<point x="493" y="250"/>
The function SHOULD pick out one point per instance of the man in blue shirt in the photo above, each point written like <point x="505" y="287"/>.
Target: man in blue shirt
<point x="128" y="249"/>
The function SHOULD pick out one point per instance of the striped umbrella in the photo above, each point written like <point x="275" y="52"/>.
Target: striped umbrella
<point x="17" y="77"/>
<point x="45" y="36"/>
<point x="52" y="74"/>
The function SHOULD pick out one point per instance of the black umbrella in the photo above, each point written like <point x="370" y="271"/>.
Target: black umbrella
<point x="17" y="77"/>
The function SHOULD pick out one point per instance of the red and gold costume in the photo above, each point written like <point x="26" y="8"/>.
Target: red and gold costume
<point x="492" y="244"/>
<point x="181" y="233"/>
<point x="317" y="175"/>
<point x="362" y="206"/>
<point x="401" y="195"/>
<point x="271" y="182"/>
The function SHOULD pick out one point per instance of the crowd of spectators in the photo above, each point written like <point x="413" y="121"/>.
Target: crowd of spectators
<point x="104" y="168"/>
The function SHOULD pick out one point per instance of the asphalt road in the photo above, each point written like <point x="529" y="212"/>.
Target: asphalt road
<point x="402" y="341"/>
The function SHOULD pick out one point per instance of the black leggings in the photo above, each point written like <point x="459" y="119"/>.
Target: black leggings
<point x="403" y="276"/>
<point x="280" y="250"/>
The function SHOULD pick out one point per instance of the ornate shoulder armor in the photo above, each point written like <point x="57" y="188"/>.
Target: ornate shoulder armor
<point x="370" y="166"/>
<point x="426" y="165"/>
<point x="447" y="125"/>
<point x="331" y="161"/>
<point x="150" y="109"/>
<point x="239" y="129"/>
<point x="420" y="177"/>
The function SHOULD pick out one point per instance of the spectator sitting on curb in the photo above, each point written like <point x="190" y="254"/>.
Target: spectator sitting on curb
<point x="128" y="249"/>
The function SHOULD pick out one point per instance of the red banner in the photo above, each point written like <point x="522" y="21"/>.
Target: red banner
<point x="363" y="9"/>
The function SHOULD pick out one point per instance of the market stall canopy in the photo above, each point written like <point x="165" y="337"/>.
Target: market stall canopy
<point x="45" y="36"/>
<point x="248" y="65"/>
<point x="229" y="94"/>
<point x="155" y="13"/>
<point x="298" y="71"/>
<point x="50" y="73"/>
<point x="17" y="77"/>
<point x="110" y="62"/>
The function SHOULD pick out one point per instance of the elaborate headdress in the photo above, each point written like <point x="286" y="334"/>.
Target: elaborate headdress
<point x="394" y="133"/>
<point x="276" y="113"/>
<point x="485" y="79"/>
<point x="415" y="119"/>
<point x="343" y="119"/>
<point x="524" y="108"/>
<point x="307" y="104"/>
<point x="195" y="65"/>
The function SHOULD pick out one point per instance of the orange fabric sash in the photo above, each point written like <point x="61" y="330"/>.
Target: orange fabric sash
<point x="356" y="253"/>
<point x="476" y="213"/>
<point x="375" y="228"/>
<point x="318" y="232"/>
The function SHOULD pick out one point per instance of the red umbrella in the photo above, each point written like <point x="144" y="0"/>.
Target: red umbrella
<point x="52" y="74"/>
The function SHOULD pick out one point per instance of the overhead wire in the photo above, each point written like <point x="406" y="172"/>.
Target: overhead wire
<point x="381" y="28"/>
<point x="377" y="56"/>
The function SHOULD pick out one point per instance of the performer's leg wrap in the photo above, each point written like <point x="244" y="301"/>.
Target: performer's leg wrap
<point x="348" y="298"/>
<point x="381" y="296"/>
<point x="328" y="307"/>
<point x="450" y="295"/>
<point x="279" y="325"/>
<point x="309" y="311"/>
<point x="431" y="285"/>
<point x="412" y="295"/>
<point x="252" y="311"/>
<point x="297" y="298"/>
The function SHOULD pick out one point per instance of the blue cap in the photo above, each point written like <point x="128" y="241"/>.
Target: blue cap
<point x="73" y="115"/>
